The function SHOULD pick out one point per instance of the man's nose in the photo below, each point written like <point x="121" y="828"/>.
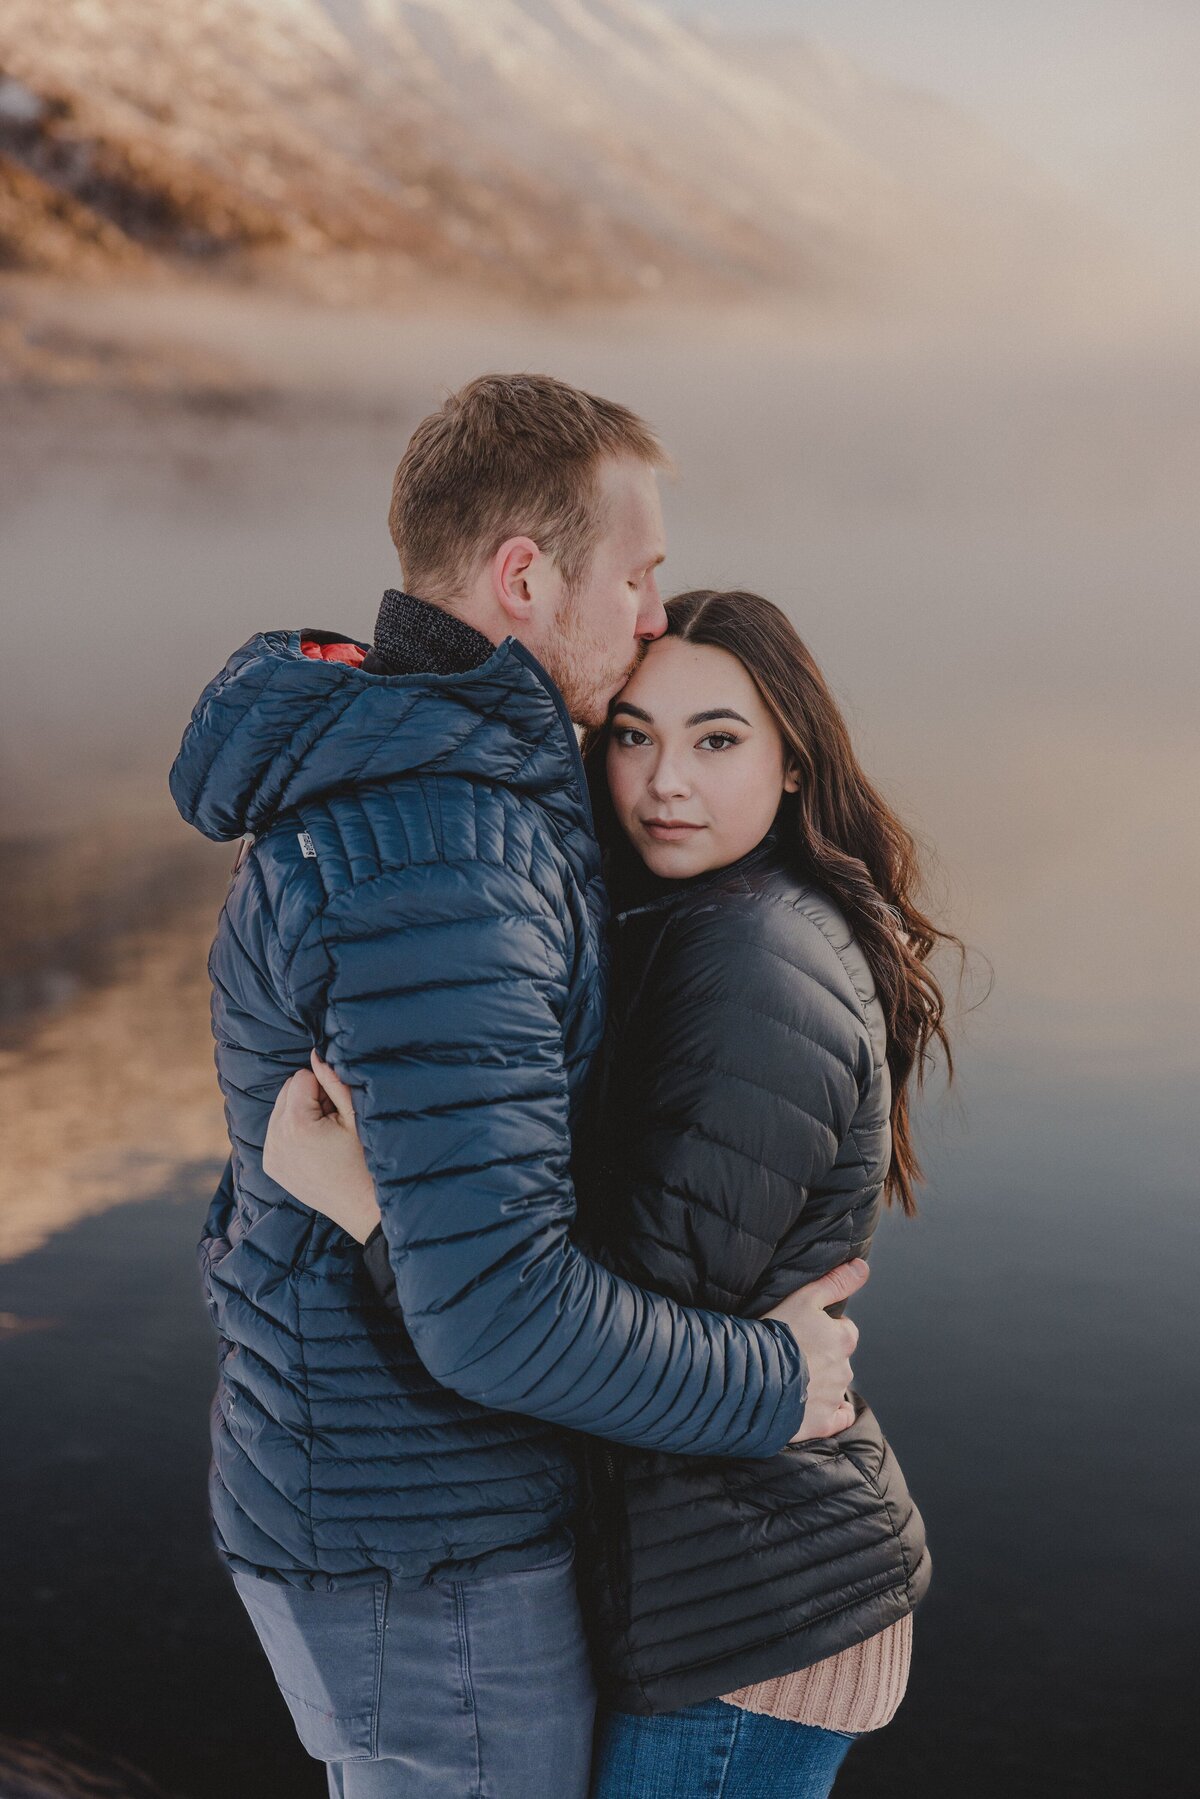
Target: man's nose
<point x="652" y="617"/>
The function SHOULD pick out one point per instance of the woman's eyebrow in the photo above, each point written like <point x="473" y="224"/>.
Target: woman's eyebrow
<point x="702" y="718"/>
<point x="635" y="711"/>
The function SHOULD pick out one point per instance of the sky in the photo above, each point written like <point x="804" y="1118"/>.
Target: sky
<point x="1103" y="93"/>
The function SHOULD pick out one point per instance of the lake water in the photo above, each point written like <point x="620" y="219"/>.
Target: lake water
<point x="990" y="542"/>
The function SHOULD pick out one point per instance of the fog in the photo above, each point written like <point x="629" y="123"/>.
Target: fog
<point x="975" y="491"/>
<point x="987" y="531"/>
<point x="1098" y="93"/>
<point x="988" y="538"/>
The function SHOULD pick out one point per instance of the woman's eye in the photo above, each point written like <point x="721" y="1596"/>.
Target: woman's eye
<point x="625" y="734"/>
<point x="720" y="740"/>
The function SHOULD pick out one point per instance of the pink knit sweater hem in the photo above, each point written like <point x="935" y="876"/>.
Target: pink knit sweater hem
<point x="858" y="1689"/>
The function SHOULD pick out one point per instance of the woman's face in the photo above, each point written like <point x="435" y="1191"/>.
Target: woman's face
<point x="696" y="764"/>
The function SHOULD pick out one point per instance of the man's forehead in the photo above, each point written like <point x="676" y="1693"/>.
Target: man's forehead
<point x="625" y="482"/>
<point x="643" y="510"/>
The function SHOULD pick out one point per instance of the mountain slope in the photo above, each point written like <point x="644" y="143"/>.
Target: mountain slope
<point x="554" y="146"/>
<point x="551" y="148"/>
<point x="977" y="212"/>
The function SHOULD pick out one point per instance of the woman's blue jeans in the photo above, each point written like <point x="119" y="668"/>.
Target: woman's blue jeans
<point x="714" y="1751"/>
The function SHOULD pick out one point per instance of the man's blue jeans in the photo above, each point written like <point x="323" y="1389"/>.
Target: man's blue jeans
<point x="714" y="1751"/>
<point x="471" y="1689"/>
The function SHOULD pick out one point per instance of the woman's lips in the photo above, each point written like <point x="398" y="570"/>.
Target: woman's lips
<point x="668" y="830"/>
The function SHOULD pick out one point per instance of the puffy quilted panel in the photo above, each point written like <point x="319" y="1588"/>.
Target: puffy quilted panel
<point x="741" y="1144"/>
<point x="423" y="902"/>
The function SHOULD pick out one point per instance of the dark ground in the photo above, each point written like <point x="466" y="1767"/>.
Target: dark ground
<point x="1045" y="1411"/>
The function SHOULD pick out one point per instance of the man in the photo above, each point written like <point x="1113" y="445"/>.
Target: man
<point x="422" y="904"/>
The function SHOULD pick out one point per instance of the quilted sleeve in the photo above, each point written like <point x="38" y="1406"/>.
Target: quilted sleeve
<point x="441" y="1010"/>
<point x="738" y="1083"/>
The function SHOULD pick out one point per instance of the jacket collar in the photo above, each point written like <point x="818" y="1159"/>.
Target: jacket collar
<point x="415" y="638"/>
<point x="278" y="729"/>
<point x="651" y="893"/>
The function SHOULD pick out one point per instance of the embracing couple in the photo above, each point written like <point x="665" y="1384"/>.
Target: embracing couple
<point x="564" y="1088"/>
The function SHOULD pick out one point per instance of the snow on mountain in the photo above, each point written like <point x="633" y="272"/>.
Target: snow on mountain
<point x="621" y="96"/>
<point x="549" y="147"/>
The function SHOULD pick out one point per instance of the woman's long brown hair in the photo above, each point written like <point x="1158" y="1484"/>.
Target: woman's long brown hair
<point x="839" y="833"/>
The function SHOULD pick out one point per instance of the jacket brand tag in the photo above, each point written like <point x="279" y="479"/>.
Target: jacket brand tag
<point x="307" y="846"/>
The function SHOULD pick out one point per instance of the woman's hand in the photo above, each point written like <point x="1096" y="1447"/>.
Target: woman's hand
<point x="313" y="1152"/>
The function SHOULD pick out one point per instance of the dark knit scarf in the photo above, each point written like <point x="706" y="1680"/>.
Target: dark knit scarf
<point x="414" y="638"/>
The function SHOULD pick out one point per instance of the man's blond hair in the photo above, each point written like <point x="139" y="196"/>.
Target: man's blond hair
<point x="508" y="456"/>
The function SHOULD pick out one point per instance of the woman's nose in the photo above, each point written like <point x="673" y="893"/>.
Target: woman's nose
<point x="667" y="780"/>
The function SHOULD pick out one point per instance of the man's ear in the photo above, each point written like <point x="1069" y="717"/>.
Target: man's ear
<point x="510" y="569"/>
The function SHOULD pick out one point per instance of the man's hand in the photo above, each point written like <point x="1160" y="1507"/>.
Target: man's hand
<point x="313" y="1152"/>
<point x="826" y="1344"/>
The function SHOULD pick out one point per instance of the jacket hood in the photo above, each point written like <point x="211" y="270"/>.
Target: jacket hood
<point x="288" y="722"/>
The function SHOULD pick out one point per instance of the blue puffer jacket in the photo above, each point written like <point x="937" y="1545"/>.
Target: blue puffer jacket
<point x="422" y="901"/>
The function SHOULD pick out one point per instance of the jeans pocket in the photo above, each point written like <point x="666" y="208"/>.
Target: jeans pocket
<point x="326" y="1653"/>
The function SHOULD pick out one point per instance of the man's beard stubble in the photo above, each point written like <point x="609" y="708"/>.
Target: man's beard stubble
<point x="574" y="659"/>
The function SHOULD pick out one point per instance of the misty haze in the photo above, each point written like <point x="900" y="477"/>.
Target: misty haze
<point x="953" y="426"/>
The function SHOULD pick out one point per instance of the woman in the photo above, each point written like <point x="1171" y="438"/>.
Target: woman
<point x="770" y="1005"/>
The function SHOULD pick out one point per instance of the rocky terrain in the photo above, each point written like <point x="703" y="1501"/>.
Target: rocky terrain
<point x="104" y="1037"/>
<point x="68" y="1770"/>
<point x="542" y="150"/>
<point x="396" y="140"/>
